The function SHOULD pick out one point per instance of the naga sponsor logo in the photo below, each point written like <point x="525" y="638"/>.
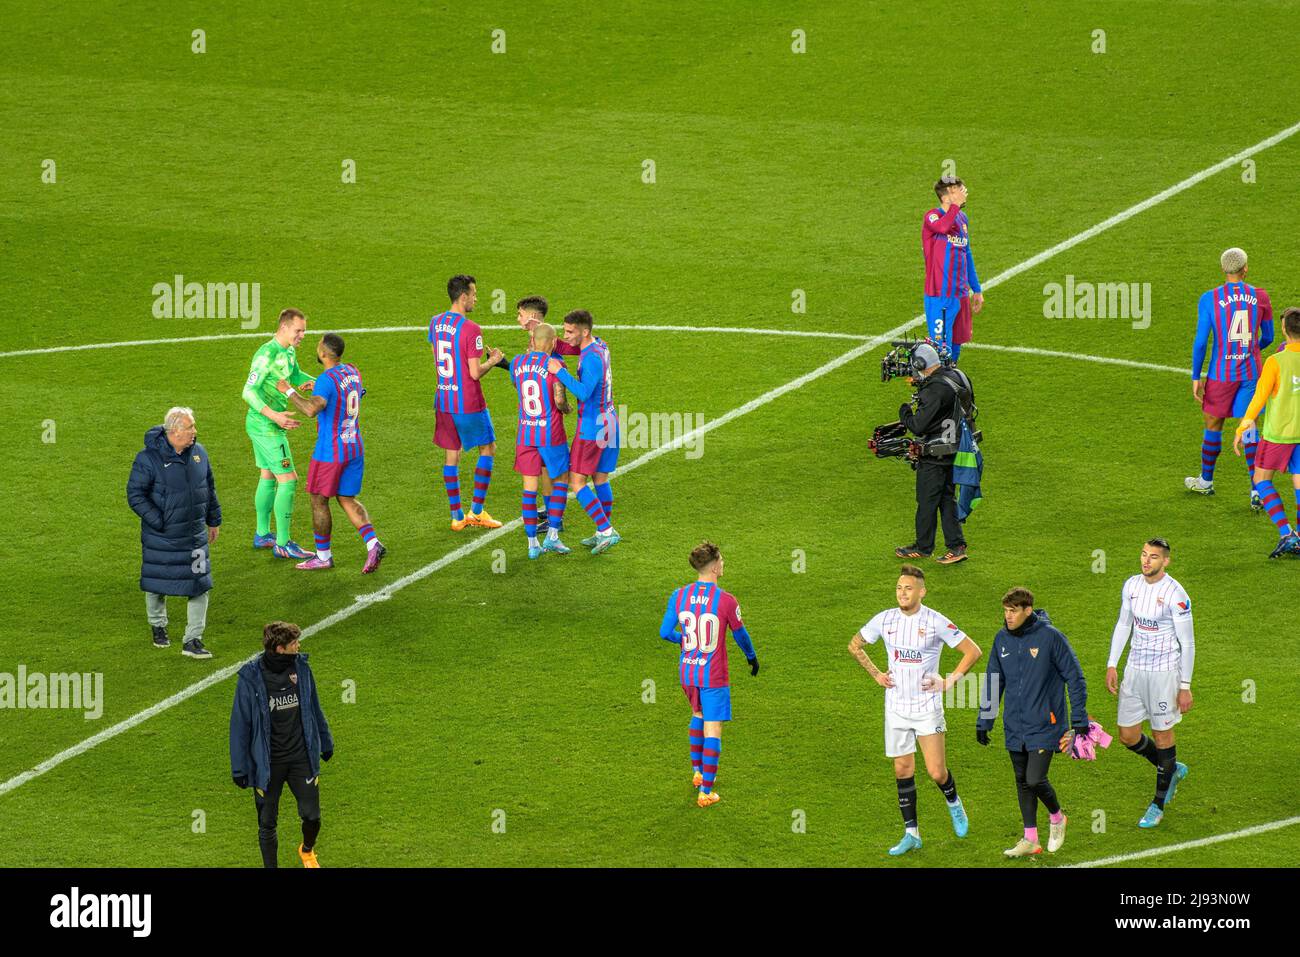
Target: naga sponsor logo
<point x="132" y="911"/>
<point x="1147" y="624"/>
<point x="911" y="656"/>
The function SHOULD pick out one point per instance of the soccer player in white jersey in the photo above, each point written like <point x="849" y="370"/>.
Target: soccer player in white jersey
<point x="1157" y="684"/>
<point x="914" y="637"/>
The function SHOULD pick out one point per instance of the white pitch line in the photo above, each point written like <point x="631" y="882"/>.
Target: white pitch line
<point x="129" y="343"/>
<point x="736" y="413"/>
<point x="1082" y="357"/>
<point x="1186" y="845"/>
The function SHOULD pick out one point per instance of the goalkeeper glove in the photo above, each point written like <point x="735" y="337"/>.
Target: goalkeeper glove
<point x="982" y="736"/>
<point x="326" y="755"/>
<point x="753" y="666"/>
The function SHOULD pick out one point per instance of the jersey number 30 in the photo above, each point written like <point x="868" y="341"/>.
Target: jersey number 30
<point x="699" y="631"/>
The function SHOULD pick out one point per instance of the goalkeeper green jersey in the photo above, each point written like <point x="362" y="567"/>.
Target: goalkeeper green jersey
<point x="271" y="363"/>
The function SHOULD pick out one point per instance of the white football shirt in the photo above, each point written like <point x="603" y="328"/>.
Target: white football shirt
<point x="913" y="643"/>
<point x="1159" y="617"/>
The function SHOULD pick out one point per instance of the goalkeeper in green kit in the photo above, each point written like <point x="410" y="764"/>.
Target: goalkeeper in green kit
<point x="268" y="428"/>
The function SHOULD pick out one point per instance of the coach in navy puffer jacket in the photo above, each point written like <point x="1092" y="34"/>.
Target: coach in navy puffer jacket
<point x="172" y="491"/>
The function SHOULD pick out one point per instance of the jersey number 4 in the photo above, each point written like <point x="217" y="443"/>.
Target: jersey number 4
<point x="699" y="631"/>
<point x="1239" y="331"/>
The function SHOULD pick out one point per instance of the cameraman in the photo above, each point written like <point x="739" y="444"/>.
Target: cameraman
<point x="943" y="395"/>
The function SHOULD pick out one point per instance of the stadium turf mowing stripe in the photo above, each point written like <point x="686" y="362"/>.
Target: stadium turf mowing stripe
<point x="1188" y="845"/>
<point x="770" y="396"/>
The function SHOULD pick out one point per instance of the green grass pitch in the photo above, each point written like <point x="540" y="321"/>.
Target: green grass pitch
<point x="512" y="691"/>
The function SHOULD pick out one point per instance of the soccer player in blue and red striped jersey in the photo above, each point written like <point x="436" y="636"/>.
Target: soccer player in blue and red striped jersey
<point x="1235" y="321"/>
<point x="338" y="462"/>
<point x="462" y="417"/>
<point x="595" y="446"/>
<point x="952" y="290"/>
<point x="698" y="618"/>
<point x="541" y="445"/>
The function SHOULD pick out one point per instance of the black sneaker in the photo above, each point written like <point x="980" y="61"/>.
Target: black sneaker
<point x="952" y="556"/>
<point x="195" y="649"/>
<point x="910" y="551"/>
<point x="160" y="639"/>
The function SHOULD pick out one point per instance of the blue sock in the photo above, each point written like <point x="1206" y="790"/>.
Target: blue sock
<point x="482" y="478"/>
<point x="530" y="514"/>
<point x="1211" y="445"/>
<point x="709" y="762"/>
<point x="451" y="478"/>
<point x="606" y="496"/>
<point x="1273" y="506"/>
<point x="697" y="742"/>
<point x="955" y="351"/>
<point x="587" y="499"/>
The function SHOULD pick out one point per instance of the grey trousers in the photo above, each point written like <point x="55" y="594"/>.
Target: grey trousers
<point x="196" y="613"/>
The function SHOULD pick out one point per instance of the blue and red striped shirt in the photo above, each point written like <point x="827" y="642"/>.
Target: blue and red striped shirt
<point x="338" y="425"/>
<point x="699" y="615"/>
<point x="1239" y="319"/>
<point x="456" y="337"/>
<point x="945" y="244"/>
<point x="594" y="387"/>
<point x="540" y="422"/>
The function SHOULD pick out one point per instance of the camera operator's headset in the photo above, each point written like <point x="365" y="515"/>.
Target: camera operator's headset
<point x="925" y="356"/>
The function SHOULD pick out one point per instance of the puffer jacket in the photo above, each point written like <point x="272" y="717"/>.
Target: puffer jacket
<point x="174" y="495"/>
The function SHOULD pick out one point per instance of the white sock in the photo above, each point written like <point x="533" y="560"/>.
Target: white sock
<point x="553" y="534"/>
<point x="914" y="831"/>
<point x="324" y="554"/>
<point x="532" y="541"/>
<point x="372" y="544"/>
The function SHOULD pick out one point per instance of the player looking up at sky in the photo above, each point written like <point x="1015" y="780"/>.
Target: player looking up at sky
<point x="1279" y="451"/>
<point x="952" y="290"/>
<point x="268" y="425"/>
<point x="461" y="411"/>
<point x="1235" y="321"/>
<point x="914" y="638"/>
<point x="338" y="461"/>
<point x="1157" y="685"/>
<point x="697" y="618"/>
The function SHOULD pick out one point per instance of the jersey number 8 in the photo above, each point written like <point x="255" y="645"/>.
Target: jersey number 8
<point x="530" y="392"/>
<point x="699" y="632"/>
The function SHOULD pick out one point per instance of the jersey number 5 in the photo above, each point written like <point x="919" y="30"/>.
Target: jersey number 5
<point x="446" y="364"/>
<point x="699" y="631"/>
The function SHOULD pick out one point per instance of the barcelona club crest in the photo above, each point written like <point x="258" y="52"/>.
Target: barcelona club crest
<point x="1033" y="652"/>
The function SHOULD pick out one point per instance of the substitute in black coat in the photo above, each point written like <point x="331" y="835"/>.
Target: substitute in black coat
<point x="172" y="491"/>
<point x="1030" y="667"/>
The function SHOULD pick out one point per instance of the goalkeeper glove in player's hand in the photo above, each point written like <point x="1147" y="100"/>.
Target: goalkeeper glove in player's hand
<point x="241" y="780"/>
<point x="326" y="755"/>
<point x="982" y="736"/>
<point x="753" y="667"/>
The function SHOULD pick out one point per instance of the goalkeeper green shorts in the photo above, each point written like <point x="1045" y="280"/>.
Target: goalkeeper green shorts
<point x="271" y="451"/>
